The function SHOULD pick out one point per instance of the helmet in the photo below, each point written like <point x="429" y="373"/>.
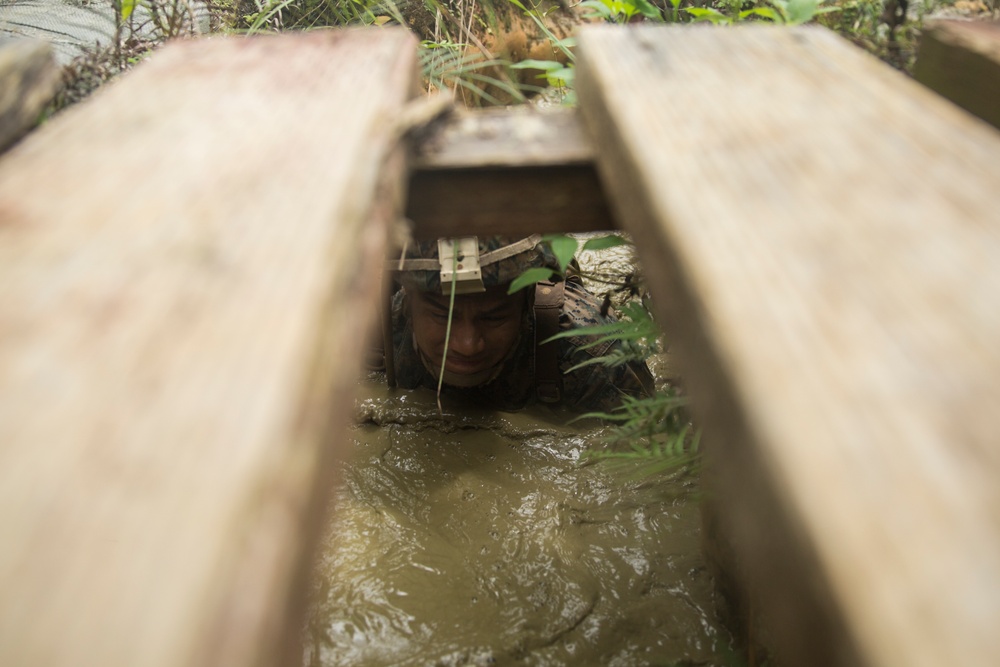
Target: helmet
<point x="478" y="262"/>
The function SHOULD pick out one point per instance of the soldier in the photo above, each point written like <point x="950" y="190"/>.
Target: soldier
<point x="495" y="354"/>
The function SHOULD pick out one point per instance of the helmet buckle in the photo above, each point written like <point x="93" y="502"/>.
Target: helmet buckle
<point x="459" y="260"/>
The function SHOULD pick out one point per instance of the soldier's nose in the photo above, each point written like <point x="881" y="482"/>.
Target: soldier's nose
<point x="466" y="339"/>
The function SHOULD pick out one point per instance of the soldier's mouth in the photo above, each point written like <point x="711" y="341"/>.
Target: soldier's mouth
<point x="465" y="365"/>
<point x="470" y="373"/>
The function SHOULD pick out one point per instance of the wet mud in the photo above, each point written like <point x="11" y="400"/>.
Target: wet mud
<point x="484" y="537"/>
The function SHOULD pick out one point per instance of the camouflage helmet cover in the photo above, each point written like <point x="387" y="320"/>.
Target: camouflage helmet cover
<point x="502" y="259"/>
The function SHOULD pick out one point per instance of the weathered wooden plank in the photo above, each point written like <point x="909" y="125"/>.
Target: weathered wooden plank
<point x="515" y="137"/>
<point x="183" y="304"/>
<point x="821" y="234"/>
<point x="512" y="172"/>
<point x="961" y="60"/>
<point x="29" y="78"/>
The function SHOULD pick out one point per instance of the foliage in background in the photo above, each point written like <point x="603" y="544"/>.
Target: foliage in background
<point x="449" y="66"/>
<point x="140" y="27"/>
<point x="155" y="21"/>
<point x="453" y="54"/>
<point x="725" y="12"/>
<point x="889" y="29"/>
<point x="262" y="15"/>
<point x="556" y="74"/>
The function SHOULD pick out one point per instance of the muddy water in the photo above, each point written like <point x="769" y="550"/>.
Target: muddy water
<point x="485" y="538"/>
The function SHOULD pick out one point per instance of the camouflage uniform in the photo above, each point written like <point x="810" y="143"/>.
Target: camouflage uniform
<point x="591" y="388"/>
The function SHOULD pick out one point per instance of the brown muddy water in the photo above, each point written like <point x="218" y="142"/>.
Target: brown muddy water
<point x="485" y="537"/>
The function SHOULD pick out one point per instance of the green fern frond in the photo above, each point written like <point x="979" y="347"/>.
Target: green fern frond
<point x="652" y="457"/>
<point x="611" y="359"/>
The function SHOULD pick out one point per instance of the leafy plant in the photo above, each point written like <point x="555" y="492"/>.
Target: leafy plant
<point x="447" y="65"/>
<point x="790" y="12"/>
<point x="158" y="20"/>
<point x="783" y="12"/>
<point x="557" y="74"/>
<point x="655" y="429"/>
<point x="636" y="331"/>
<point x="564" y="247"/>
<point x="259" y="15"/>
<point x="623" y="11"/>
<point x="656" y="437"/>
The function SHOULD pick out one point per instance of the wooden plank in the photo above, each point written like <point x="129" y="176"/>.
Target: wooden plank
<point x="29" y="78"/>
<point x="821" y="236"/>
<point x="514" y="172"/>
<point x="184" y="298"/>
<point x="961" y="60"/>
<point x="514" y="137"/>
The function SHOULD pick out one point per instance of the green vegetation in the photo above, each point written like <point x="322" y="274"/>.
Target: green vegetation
<point x="497" y="52"/>
<point x="649" y="435"/>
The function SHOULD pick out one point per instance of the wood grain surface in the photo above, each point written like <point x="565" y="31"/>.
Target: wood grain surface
<point x="188" y="272"/>
<point x="822" y="236"/>
<point x="513" y="171"/>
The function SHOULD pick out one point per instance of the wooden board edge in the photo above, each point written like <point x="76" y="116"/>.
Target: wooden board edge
<point x="325" y="414"/>
<point x="777" y="568"/>
<point x="489" y="138"/>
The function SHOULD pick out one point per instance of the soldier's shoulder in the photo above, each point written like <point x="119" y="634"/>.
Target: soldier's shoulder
<point x="582" y="309"/>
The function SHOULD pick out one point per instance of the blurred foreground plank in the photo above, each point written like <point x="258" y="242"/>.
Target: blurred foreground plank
<point x="187" y="276"/>
<point x="821" y="238"/>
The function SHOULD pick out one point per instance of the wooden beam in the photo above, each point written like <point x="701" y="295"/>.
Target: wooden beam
<point x="821" y="233"/>
<point x="188" y="273"/>
<point x="29" y="78"/>
<point x="961" y="61"/>
<point x="506" y="172"/>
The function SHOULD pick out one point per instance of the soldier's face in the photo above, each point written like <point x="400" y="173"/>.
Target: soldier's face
<point x="484" y="327"/>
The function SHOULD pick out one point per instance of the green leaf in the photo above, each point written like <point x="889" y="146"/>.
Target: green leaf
<point x="128" y="6"/>
<point x="564" y="247"/>
<point x="562" y="77"/>
<point x="544" y="65"/>
<point x="647" y="9"/>
<point x="801" y="11"/>
<point x="605" y="242"/>
<point x="599" y="9"/>
<point x="529" y="277"/>
<point x="708" y="14"/>
<point x="766" y="12"/>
